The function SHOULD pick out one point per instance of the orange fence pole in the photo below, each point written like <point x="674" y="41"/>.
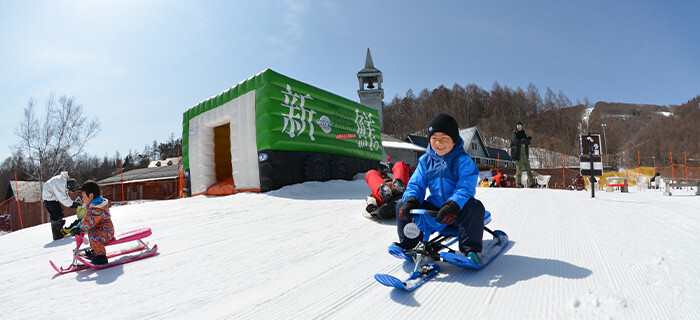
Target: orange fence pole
<point x="121" y="175"/>
<point x="498" y="161"/>
<point x="685" y="155"/>
<point x="17" y="198"/>
<point x="672" y="174"/>
<point x="639" y="163"/>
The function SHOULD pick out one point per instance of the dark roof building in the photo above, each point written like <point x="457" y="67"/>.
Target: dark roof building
<point x="153" y="183"/>
<point x="143" y="174"/>
<point x="417" y="140"/>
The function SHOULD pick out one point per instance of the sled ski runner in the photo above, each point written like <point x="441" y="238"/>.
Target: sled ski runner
<point x="81" y="261"/>
<point x="438" y="249"/>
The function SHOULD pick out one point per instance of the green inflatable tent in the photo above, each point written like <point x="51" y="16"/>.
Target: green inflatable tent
<point x="269" y="131"/>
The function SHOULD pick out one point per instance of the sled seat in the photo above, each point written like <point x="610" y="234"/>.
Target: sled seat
<point x="130" y="236"/>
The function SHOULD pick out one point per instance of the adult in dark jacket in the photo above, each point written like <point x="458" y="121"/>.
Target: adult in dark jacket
<point x="520" y="152"/>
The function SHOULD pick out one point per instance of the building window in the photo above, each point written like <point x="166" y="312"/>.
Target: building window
<point x="473" y="146"/>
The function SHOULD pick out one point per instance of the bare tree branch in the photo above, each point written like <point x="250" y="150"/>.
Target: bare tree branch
<point x="50" y="145"/>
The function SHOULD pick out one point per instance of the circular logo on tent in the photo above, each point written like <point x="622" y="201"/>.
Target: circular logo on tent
<point x="262" y="157"/>
<point x="411" y="231"/>
<point x="325" y="124"/>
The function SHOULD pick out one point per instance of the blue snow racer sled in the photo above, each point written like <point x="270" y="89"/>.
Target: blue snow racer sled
<point x="438" y="249"/>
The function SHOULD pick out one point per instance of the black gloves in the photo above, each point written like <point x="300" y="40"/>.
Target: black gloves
<point x="75" y="230"/>
<point x="405" y="209"/>
<point x="448" y="213"/>
<point x="76" y="203"/>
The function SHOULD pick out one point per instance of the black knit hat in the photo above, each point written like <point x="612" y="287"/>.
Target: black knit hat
<point x="446" y="124"/>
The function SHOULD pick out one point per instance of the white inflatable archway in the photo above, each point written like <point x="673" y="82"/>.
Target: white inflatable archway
<point x="239" y="113"/>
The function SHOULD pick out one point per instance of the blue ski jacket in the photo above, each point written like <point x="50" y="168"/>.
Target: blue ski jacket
<point x="449" y="177"/>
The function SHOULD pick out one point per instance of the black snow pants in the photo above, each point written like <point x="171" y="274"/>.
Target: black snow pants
<point x="55" y="210"/>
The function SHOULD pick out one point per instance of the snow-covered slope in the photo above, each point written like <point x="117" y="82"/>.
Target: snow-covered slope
<point x="306" y="252"/>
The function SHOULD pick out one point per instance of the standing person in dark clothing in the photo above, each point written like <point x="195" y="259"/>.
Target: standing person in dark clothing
<point x="54" y="194"/>
<point x="520" y="152"/>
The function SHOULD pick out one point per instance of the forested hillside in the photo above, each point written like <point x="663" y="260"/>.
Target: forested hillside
<point x="555" y="122"/>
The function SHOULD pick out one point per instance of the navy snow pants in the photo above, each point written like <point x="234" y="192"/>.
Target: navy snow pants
<point x="469" y="223"/>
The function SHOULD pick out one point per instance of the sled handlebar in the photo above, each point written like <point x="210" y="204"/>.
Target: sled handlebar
<point x="431" y="213"/>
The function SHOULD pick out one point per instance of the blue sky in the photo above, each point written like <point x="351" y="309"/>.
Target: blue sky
<point x="138" y="65"/>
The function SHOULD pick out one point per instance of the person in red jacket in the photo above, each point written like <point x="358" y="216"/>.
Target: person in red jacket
<point x="499" y="180"/>
<point x="385" y="189"/>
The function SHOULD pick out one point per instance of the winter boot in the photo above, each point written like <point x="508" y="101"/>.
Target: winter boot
<point x="387" y="211"/>
<point x="398" y="187"/>
<point x="89" y="254"/>
<point x="385" y="193"/>
<point x="371" y="204"/>
<point x="56" y="226"/>
<point x="473" y="256"/>
<point x="400" y="251"/>
<point x="99" y="260"/>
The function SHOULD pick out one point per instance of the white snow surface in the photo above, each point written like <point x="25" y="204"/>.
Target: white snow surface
<point x="306" y="252"/>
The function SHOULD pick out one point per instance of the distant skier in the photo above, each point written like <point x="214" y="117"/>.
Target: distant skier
<point x="520" y="152"/>
<point x="97" y="222"/>
<point x="485" y="183"/>
<point x="54" y="194"/>
<point x="654" y="181"/>
<point x="578" y="183"/>
<point x="451" y="176"/>
<point x="386" y="190"/>
<point x="499" y="180"/>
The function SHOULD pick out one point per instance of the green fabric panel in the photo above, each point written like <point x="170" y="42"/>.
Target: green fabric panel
<point x="280" y="126"/>
<point x="343" y="121"/>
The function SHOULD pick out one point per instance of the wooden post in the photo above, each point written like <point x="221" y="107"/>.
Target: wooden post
<point x="21" y="223"/>
<point x="121" y="175"/>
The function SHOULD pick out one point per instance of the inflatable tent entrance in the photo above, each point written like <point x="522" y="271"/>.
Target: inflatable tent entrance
<point x="269" y="131"/>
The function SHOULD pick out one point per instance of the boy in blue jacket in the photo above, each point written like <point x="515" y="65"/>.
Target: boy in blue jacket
<point x="451" y="176"/>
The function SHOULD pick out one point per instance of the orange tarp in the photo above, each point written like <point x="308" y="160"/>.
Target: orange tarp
<point x="222" y="188"/>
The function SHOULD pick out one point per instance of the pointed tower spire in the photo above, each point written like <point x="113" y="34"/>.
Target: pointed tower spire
<point x="371" y="92"/>
<point x="368" y="61"/>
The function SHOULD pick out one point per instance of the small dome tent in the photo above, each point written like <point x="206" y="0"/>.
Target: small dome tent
<point x="269" y="131"/>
